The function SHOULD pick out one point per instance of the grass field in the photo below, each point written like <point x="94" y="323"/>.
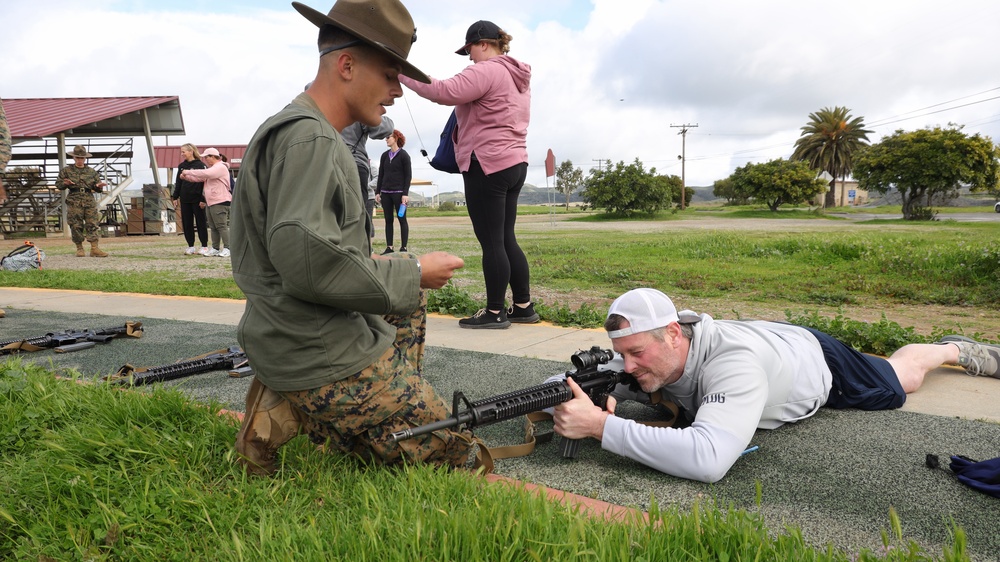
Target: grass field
<point x="94" y="473"/>
<point x="88" y="473"/>
<point x="942" y="274"/>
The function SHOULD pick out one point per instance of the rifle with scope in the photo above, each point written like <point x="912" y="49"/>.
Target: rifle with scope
<point x="596" y="383"/>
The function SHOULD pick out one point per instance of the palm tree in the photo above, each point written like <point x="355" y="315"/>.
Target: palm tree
<point x="829" y="143"/>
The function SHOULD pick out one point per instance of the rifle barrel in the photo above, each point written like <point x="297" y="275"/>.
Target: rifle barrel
<point x="593" y="381"/>
<point x="70" y="336"/>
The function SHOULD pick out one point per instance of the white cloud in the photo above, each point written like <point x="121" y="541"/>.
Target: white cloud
<point x="610" y="77"/>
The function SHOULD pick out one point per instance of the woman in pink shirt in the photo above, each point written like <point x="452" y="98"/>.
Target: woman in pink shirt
<point x="492" y="100"/>
<point x="217" y="199"/>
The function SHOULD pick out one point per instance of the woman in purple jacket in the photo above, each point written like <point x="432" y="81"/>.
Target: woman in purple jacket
<point x="492" y="100"/>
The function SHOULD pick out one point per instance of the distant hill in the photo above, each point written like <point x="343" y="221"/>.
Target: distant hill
<point x="702" y="194"/>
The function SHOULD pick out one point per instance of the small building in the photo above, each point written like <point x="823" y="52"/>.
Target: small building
<point x="846" y="194"/>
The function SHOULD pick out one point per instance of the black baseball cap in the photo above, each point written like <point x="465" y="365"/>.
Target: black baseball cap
<point x="477" y="32"/>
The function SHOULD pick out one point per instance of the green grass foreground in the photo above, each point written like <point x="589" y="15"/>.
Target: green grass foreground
<point x="91" y="472"/>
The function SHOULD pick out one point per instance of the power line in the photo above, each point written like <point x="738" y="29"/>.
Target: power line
<point x="877" y="122"/>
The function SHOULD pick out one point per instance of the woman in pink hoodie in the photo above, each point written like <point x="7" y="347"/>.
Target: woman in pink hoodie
<point x="492" y="100"/>
<point x="217" y="199"/>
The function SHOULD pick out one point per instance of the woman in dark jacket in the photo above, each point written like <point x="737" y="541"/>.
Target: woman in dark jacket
<point x="188" y="198"/>
<point x="393" y="190"/>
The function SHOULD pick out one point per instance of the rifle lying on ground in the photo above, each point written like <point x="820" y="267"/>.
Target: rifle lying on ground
<point x="597" y="384"/>
<point x="70" y="340"/>
<point x="231" y="359"/>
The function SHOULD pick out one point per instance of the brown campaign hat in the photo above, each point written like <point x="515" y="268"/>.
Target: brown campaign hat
<point x="79" y="151"/>
<point x="383" y="24"/>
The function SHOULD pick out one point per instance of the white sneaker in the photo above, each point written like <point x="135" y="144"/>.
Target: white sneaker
<point x="189" y="251"/>
<point x="224" y="253"/>
<point x="979" y="359"/>
<point x="212" y="253"/>
<point x="203" y="251"/>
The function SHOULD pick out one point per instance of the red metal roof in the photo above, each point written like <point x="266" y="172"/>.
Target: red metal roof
<point x="170" y="156"/>
<point x="88" y="117"/>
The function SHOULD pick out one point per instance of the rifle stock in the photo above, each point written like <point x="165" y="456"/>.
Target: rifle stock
<point x="595" y="383"/>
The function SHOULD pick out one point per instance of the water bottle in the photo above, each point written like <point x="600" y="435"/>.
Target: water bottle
<point x="402" y="211"/>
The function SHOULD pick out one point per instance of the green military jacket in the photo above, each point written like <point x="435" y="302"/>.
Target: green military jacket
<point x="302" y="256"/>
<point x="85" y="178"/>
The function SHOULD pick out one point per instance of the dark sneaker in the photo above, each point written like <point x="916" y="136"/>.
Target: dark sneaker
<point x="979" y="359"/>
<point x="485" y="320"/>
<point x="526" y="315"/>
<point x="387" y="250"/>
<point x="403" y="249"/>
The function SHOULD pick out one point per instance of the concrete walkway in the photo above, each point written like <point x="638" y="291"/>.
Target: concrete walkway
<point x="943" y="393"/>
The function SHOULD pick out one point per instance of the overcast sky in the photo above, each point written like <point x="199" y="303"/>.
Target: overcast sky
<point x="611" y="78"/>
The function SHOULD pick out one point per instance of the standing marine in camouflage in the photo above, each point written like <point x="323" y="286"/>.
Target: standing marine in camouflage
<point x="82" y="182"/>
<point x="5" y="143"/>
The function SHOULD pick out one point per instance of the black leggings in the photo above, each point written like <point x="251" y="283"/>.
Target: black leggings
<point x="390" y="206"/>
<point x="492" y="205"/>
<point x="192" y="213"/>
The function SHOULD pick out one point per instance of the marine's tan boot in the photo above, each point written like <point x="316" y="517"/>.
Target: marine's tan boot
<point x="96" y="251"/>
<point x="270" y="421"/>
<point x="80" y="252"/>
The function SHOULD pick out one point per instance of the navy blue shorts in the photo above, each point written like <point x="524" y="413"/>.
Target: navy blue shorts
<point x="860" y="381"/>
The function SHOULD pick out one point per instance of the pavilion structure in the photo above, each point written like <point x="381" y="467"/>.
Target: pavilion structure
<point x="43" y="130"/>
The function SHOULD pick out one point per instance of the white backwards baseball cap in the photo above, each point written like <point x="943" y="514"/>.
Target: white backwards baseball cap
<point x="645" y="310"/>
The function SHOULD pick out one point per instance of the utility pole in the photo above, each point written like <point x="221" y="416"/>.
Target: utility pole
<point x="683" y="134"/>
<point x="600" y="163"/>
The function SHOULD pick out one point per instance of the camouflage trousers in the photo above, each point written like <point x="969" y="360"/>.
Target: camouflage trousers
<point x="82" y="217"/>
<point x="356" y="415"/>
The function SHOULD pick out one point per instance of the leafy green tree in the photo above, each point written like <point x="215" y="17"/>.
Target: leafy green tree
<point x="724" y="188"/>
<point x="568" y="179"/>
<point x="778" y="182"/>
<point x="928" y="163"/>
<point x="829" y="143"/>
<point x="675" y="183"/>
<point x="626" y="189"/>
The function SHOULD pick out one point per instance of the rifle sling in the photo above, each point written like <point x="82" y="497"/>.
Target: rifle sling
<point x="531" y="438"/>
<point x="22" y="345"/>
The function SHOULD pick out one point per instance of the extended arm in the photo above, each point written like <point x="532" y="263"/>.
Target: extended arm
<point x="735" y="395"/>
<point x="465" y="87"/>
<point x="217" y="171"/>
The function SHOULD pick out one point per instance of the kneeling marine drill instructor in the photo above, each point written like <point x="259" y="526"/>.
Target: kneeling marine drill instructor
<point x="335" y="335"/>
